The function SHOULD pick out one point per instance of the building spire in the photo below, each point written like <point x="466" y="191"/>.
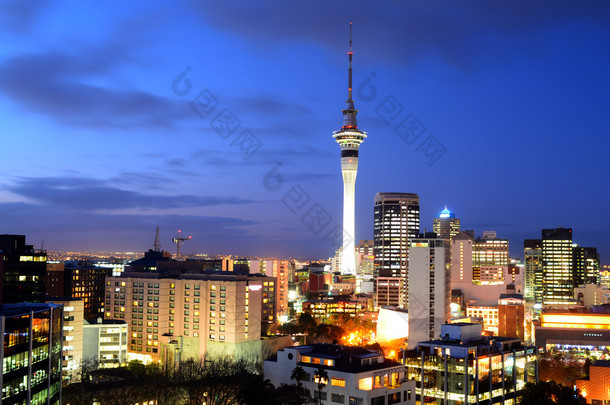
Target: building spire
<point x="349" y="114"/>
<point x="350" y="53"/>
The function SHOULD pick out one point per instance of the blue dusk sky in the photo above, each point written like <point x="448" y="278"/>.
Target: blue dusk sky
<point x="216" y="118"/>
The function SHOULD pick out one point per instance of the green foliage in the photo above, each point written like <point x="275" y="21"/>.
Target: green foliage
<point x="549" y="393"/>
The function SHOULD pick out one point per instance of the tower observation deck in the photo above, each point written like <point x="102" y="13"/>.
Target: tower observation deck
<point x="349" y="138"/>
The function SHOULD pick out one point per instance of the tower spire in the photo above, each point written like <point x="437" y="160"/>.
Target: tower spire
<point x="350" y="53"/>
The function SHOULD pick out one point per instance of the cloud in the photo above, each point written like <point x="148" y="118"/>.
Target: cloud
<point x="58" y="85"/>
<point x="402" y="31"/>
<point x="63" y="228"/>
<point x="93" y="194"/>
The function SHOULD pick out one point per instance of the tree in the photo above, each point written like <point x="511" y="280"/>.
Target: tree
<point x="299" y="374"/>
<point x="550" y="393"/>
<point x="321" y="377"/>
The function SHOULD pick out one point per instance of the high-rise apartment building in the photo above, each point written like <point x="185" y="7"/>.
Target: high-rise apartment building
<point x="214" y="312"/>
<point x="532" y="255"/>
<point x="72" y="345"/>
<point x="446" y="226"/>
<point x="461" y="257"/>
<point x="365" y="257"/>
<point x="557" y="266"/>
<point x="22" y="271"/>
<point x="429" y="299"/>
<point x="396" y="222"/>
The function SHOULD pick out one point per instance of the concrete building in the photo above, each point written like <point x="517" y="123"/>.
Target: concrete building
<point x="596" y="389"/>
<point x="392" y="325"/>
<point x="446" y="226"/>
<point x="72" y="344"/>
<point x="22" y="271"/>
<point x="365" y="257"/>
<point x="488" y="316"/>
<point x="31" y="353"/>
<point x="489" y="252"/>
<point x="429" y="274"/>
<point x="511" y="316"/>
<point x="219" y="312"/>
<point x="396" y="222"/>
<point x="356" y="376"/>
<point x="105" y="343"/>
<point x="464" y="367"/>
<point x="389" y="291"/>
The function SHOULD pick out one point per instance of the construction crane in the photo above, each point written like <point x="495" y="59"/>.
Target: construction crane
<point x="178" y="240"/>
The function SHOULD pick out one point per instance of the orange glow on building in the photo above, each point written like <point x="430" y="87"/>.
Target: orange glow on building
<point x="577" y="321"/>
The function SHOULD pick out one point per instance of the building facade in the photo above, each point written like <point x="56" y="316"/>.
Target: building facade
<point x="72" y="342"/>
<point x="532" y="255"/>
<point x="22" y="271"/>
<point x="356" y="376"/>
<point x="396" y="222"/>
<point x="31" y="353"/>
<point x="105" y="343"/>
<point x="557" y="266"/>
<point x="220" y="312"/>
<point x="446" y="226"/>
<point x="464" y="367"/>
<point x="429" y="274"/>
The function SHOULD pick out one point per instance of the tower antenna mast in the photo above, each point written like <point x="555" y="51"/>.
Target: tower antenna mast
<point x="157" y="244"/>
<point x="350" y="53"/>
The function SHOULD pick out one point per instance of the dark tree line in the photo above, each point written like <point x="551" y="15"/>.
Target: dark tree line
<point x="215" y="381"/>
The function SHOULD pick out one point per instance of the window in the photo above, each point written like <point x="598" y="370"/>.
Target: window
<point x="340" y="399"/>
<point x="393" y="398"/>
<point x="378" y="400"/>
<point x="337" y="382"/>
<point x="365" y="384"/>
<point x="319" y="395"/>
<point x="356" y="401"/>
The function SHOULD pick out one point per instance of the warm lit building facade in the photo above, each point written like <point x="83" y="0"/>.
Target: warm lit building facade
<point x="396" y="222"/>
<point x="322" y="309"/>
<point x="557" y="265"/>
<point x="573" y="330"/>
<point x="389" y="291"/>
<point x="219" y="311"/>
<point x="596" y="389"/>
<point x="356" y="376"/>
<point x="31" y="353"/>
<point x="511" y="316"/>
<point x="80" y="280"/>
<point x="488" y="252"/>
<point x="464" y="367"/>
<point x="589" y="295"/>
<point x="489" y="316"/>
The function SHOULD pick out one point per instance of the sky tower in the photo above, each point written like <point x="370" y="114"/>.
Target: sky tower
<point x="349" y="138"/>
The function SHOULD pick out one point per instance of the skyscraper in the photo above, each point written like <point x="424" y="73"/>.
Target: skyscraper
<point x="532" y="254"/>
<point x="429" y="292"/>
<point x="557" y="265"/>
<point x="446" y="226"/>
<point x="349" y="137"/>
<point x="586" y="265"/>
<point x="396" y="222"/>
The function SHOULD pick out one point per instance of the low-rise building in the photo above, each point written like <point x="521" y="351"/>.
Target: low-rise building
<point x="105" y="343"/>
<point x="31" y="353"/>
<point x="596" y="389"/>
<point x="322" y="309"/>
<point x="573" y="330"/>
<point x="465" y="367"/>
<point x="356" y="376"/>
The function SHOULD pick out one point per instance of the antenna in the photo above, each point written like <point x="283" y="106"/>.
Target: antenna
<point x="350" y="53"/>
<point x="157" y="244"/>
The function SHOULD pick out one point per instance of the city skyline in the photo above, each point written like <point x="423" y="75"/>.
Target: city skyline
<point x="102" y="142"/>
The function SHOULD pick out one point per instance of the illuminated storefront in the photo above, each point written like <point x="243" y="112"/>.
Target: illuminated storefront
<point x="568" y="331"/>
